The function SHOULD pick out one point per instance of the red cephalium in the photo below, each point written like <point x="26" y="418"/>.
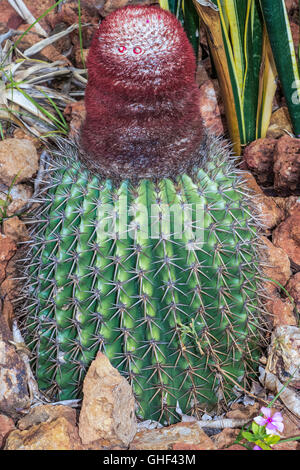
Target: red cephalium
<point x="141" y="99"/>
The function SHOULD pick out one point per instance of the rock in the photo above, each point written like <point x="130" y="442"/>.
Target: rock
<point x="13" y="376"/>
<point x="37" y="8"/>
<point x="6" y="426"/>
<point x="292" y="204"/>
<point x="177" y="436"/>
<point x="209" y="106"/>
<point x="288" y="204"/>
<point x="11" y="287"/>
<point x="242" y="412"/>
<point x="295" y="33"/>
<point x="287" y="237"/>
<point x="293" y="445"/>
<point x="15" y="229"/>
<point x="293" y="288"/>
<point x="291" y="5"/>
<point x="7" y="312"/>
<point x="68" y="15"/>
<point x="225" y="438"/>
<point x="108" y="6"/>
<point x="75" y="114"/>
<point x="107" y="416"/>
<point x="259" y="156"/>
<point x="18" y="158"/>
<point x="284" y="354"/>
<point x="277" y="266"/>
<point x="287" y="164"/>
<point x="7" y="250"/>
<point x="236" y="447"/>
<point x="59" y="434"/>
<point x="47" y="413"/>
<point x="21" y="134"/>
<point x="283" y="365"/>
<point x="266" y="208"/>
<point x="9" y="17"/>
<point x="291" y="424"/>
<point x="48" y="53"/>
<point x="19" y="195"/>
<point x="78" y="57"/>
<point x="281" y="311"/>
<point x="280" y="123"/>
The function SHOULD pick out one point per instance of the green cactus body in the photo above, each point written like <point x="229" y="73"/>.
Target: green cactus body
<point x="177" y="315"/>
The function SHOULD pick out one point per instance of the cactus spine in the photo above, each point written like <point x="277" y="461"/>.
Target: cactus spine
<point x="144" y="244"/>
<point x="178" y="319"/>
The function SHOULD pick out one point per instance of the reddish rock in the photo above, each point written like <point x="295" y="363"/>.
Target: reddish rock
<point x="7" y="312"/>
<point x="48" y="53"/>
<point x="178" y="436"/>
<point x="288" y="204"/>
<point x="236" y="447"/>
<point x="259" y="159"/>
<point x="225" y="438"/>
<point x="75" y="114"/>
<point x="7" y="251"/>
<point x="68" y="15"/>
<point x="277" y="266"/>
<point x="281" y="311"/>
<point x="287" y="237"/>
<point x="242" y="412"/>
<point x="295" y="33"/>
<point x="78" y="57"/>
<point x="209" y="105"/>
<point x="15" y="229"/>
<point x="6" y="426"/>
<point x="108" y="6"/>
<point x="287" y="164"/>
<point x="265" y="207"/>
<point x="9" y="17"/>
<point x="293" y="288"/>
<point x="293" y="445"/>
<point x="37" y="8"/>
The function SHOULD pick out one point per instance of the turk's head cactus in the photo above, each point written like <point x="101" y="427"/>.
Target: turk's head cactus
<point x="144" y="243"/>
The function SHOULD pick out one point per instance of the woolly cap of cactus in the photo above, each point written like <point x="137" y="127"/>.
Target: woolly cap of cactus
<point x="142" y="101"/>
<point x="141" y="48"/>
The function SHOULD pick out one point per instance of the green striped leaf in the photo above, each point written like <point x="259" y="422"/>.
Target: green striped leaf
<point x="279" y="31"/>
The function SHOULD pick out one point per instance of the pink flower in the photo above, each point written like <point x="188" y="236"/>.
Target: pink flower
<point x="273" y="423"/>
<point x="256" y="447"/>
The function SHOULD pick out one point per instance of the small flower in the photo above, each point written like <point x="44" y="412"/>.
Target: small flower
<point x="256" y="447"/>
<point x="273" y="423"/>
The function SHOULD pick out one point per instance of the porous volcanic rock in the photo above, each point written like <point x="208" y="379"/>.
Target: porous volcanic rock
<point x="259" y="157"/>
<point x="287" y="237"/>
<point x="287" y="165"/>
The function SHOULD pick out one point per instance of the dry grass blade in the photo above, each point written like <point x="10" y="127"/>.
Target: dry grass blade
<point x="50" y="40"/>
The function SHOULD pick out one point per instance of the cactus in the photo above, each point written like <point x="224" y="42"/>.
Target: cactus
<point x="161" y="273"/>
